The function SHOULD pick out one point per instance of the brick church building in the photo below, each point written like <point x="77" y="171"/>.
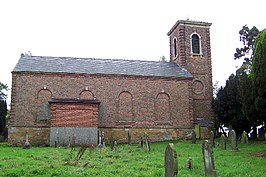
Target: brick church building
<point x="58" y="98"/>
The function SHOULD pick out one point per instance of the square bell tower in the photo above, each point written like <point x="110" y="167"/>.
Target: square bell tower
<point x="191" y="49"/>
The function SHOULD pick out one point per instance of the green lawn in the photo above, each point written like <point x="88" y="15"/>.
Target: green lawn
<point x="129" y="161"/>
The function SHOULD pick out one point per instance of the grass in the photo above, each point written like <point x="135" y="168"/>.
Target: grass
<point x="129" y="161"/>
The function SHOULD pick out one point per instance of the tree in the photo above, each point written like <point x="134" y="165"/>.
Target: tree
<point x="3" y="113"/>
<point x="247" y="37"/>
<point x="227" y="106"/>
<point x="3" y="87"/>
<point x="258" y="75"/>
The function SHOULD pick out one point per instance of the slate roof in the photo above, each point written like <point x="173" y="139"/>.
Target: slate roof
<point x="99" y="66"/>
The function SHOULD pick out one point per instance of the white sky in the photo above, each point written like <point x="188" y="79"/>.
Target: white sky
<point x="119" y="29"/>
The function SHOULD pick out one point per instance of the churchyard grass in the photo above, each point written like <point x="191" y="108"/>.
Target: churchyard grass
<point x="130" y="160"/>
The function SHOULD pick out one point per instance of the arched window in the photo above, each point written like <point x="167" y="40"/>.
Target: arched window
<point x="163" y="107"/>
<point x="43" y="107"/>
<point x="125" y="106"/>
<point x="195" y="44"/>
<point x="86" y="94"/>
<point x="175" y="49"/>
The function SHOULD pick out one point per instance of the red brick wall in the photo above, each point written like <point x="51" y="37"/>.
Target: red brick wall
<point x="74" y="115"/>
<point x="144" y="92"/>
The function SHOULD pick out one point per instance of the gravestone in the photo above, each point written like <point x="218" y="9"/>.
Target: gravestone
<point x="114" y="145"/>
<point x="129" y="137"/>
<point x="261" y="134"/>
<point x="189" y="163"/>
<point x="223" y="142"/>
<point x="244" y="138"/>
<point x="56" y="143"/>
<point x="170" y="161"/>
<point x="112" y="141"/>
<point x="103" y="139"/>
<point x="197" y="131"/>
<point x="73" y="141"/>
<point x="27" y="144"/>
<point x="211" y="141"/>
<point x="193" y="137"/>
<point x="141" y="142"/>
<point x="208" y="159"/>
<point x="147" y="142"/>
<point x="233" y="140"/>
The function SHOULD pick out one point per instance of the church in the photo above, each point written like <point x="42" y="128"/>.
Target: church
<point x="58" y="98"/>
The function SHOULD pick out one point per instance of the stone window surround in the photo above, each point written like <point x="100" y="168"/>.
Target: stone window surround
<point x="175" y="47"/>
<point x="191" y="48"/>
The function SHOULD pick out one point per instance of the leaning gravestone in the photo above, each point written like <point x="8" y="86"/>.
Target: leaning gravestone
<point x="147" y="142"/>
<point x="233" y="140"/>
<point x="211" y="141"/>
<point x="170" y="161"/>
<point x="244" y="138"/>
<point x="193" y="137"/>
<point x="208" y="159"/>
<point x="223" y="142"/>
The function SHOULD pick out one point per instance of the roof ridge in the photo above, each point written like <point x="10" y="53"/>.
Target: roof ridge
<point x="83" y="58"/>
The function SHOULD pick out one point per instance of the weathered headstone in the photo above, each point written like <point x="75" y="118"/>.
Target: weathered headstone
<point x="147" y="142"/>
<point x="73" y="141"/>
<point x="103" y="139"/>
<point x="211" y="141"/>
<point x="244" y="138"/>
<point x="27" y="144"/>
<point x="208" y="159"/>
<point x="193" y="137"/>
<point x="129" y="137"/>
<point x="141" y="142"/>
<point x="233" y="140"/>
<point x="189" y="163"/>
<point x="170" y="161"/>
<point x="99" y="139"/>
<point x="223" y="142"/>
<point x="197" y="131"/>
<point x="261" y="134"/>
<point x="112" y="141"/>
<point x="56" y="143"/>
<point x="114" y="145"/>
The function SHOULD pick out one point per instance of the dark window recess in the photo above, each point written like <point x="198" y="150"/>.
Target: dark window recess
<point x="175" y="47"/>
<point x="195" y="44"/>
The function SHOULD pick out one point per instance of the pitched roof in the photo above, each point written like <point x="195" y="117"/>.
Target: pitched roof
<point x="99" y="66"/>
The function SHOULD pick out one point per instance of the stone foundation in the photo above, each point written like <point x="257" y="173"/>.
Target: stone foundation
<point x="65" y="136"/>
<point x="37" y="136"/>
<point x="158" y="134"/>
<point x="41" y="136"/>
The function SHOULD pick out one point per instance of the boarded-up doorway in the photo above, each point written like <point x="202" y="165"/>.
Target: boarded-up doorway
<point x="74" y="122"/>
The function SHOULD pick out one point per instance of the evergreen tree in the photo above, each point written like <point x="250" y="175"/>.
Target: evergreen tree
<point x="2" y="88"/>
<point x="3" y="113"/>
<point x="228" y="106"/>
<point x="258" y="75"/>
<point x="246" y="52"/>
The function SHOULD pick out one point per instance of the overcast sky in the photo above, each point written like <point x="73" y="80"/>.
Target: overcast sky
<point x="120" y="29"/>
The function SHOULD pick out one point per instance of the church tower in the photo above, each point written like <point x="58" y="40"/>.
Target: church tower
<point x="190" y="48"/>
